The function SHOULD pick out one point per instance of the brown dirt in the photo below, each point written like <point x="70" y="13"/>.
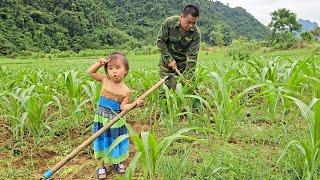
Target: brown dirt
<point x="52" y="109"/>
<point x="263" y="124"/>
<point x="3" y="155"/>
<point x="84" y="165"/>
<point x="4" y="132"/>
<point x="40" y="159"/>
<point x="45" y="154"/>
<point x="255" y="142"/>
<point x="89" y="106"/>
<point x="140" y="126"/>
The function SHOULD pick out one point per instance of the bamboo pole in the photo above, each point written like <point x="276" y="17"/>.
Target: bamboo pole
<point x="181" y="76"/>
<point x="177" y="71"/>
<point x="70" y="156"/>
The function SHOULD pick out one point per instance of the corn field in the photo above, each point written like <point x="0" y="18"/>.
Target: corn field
<point x="257" y="118"/>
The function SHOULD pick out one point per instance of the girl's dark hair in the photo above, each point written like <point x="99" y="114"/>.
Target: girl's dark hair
<point x="117" y="55"/>
<point x="190" y="9"/>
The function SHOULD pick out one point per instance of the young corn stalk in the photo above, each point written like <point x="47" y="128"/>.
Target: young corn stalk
<point x="150" y="152"/>
<point x="144" y="78"/>
<point x="170" y="111"/>
<point x="37" y="110"/>
<point x="6" y="78"/>
<point x="74" y="87"/>
<point x="186" y="100"/>
<point x="186" y="97"/>
<point x="295" y="78"/>
<point x="267" y="73"/>
<point x="229" y="105"/>
<point x="16" y="110"/>
<point x="173" y="171"/>
<point x="282" y="77"/>
<point x="92" y="92"/>
<point x="178" y="102"/>
<point x="309" y="148"/>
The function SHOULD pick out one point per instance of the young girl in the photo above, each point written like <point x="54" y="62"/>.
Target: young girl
<point x="114" y="97"/>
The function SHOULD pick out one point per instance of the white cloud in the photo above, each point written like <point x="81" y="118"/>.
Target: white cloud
<point x="261" y="9"/>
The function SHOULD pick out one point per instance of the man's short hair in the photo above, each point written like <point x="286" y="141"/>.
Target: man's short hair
<point x="190" y="9"/>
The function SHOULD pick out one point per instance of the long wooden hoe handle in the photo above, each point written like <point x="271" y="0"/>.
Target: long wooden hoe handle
<point x="177" y="71"/>
<point x="70" y="156"/>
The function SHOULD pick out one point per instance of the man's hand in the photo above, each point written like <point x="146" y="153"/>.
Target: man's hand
<point x="172" y="64"/>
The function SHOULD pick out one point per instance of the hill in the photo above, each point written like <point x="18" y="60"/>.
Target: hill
<point x="80" y="24"/>
<point x="307" y="25"/>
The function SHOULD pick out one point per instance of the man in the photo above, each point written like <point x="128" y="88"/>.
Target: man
<point x="179" y="41"/>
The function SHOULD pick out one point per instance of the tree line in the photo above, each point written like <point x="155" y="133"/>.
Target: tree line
<point x="60" y="25"/>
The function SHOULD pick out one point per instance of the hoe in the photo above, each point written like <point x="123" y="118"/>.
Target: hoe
<point x="70" y="156"/>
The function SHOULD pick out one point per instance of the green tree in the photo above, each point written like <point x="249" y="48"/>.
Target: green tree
<point x="216" y="38"/>
<point x="221" y="35"/>
<point x="79" y="24"/>
<point x="316" y="33"/>
<point x="6" y="47"/>
<point x="61" y="41"/>
<point x="284" y="20"/>
<point x="282" y="25"/>
<point x="307" y="36"/>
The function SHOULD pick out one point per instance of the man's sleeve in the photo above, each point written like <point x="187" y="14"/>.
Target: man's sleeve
<point x="192" y="56"/>
<point x="162" y="41"/>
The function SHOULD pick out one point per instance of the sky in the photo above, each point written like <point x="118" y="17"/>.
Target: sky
<point x="261" y="9"/>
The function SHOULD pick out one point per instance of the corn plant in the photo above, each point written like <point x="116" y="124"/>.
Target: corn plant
<point x="36" y="109"/>
<point x="177" y="171"/>
<point x="295" y="78"/>
<point x="140" y="81"/>
<point x="309" y="148"/>
<point x="4" y="74"/>
<point x="37" y="76"/>
<point x="268" y="73"/>
<point x="283" y="75"/>
<point x="74" y="87"/>
<point x="144" y="77"/>
<point x="92" y="91"/>
<point x="3" y="71"/>
<point x="16" y="103"/>
<point x="180" y="102"/>
<point x="229" y="105"/>
<point x="73" y="84"/>
<point x="170" y="108"/>
<point x="311" y="71"/>
<point x="150" y="152"/>
<point x="183" y="99"/>
<point x="7" y="81"/>
<point x="222" y="101"/>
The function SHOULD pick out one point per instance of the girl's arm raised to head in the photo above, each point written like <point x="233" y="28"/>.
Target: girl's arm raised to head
<point x="92" y="71"/>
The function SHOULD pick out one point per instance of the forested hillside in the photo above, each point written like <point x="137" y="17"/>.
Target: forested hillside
<point x="38" y="25"/>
